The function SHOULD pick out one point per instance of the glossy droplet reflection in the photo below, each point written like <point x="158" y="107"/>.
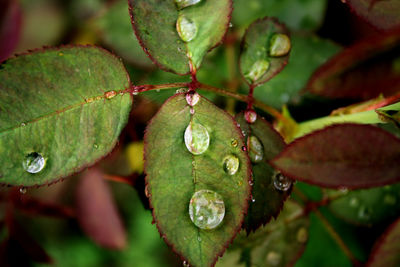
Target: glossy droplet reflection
<point x="180" y="4"/>
<point x="281" y="182"/>
<point x="33" y="162"/>
<point x="192" y="98"/>
<point x="257" y="70"/>
<point x="197" y="138"/>
<point x="250" y="116"/>
<point x="186" y="28"/>
<point x="231" y="164"/>
<point x="279" y="45"/>
<point x="206" y="209"/>
<point x="256" y="149"/>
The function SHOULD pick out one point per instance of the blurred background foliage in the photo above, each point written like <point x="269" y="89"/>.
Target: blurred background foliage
<point x="319" y="29"/>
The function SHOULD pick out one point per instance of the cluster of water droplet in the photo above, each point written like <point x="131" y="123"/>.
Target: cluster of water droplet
<point x="33" y="162"/>
<point x="206" y="209"/>
<point x="186" y="27"/>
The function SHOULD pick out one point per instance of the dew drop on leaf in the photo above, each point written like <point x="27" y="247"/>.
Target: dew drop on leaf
<point x="185" y="264"/>
<point x="279" y="45"/>
<point x="95" y="146"/>
<point x="231" y="164"/>
<point x="186" y="28"/>
<point x="256" y="149"/>
<point x="180" y="4"/>
<point x="22" y="190"/>
<point x="197" y="138"/>
<point x="110" y="94"/>
<point x="192" y="98"/>
<point x="253" y="199"/>
<point x="23" y="124"/>
<point x="281" y="182"/>
<point x="206" y="209"/>
<point x="257" y="70"/>
<point x="146" y="191"/>
<point x="33" y="162"/>
<point x="302" y="235"/>
<point x="250" y="116"/>
<point x="234" y="142"/>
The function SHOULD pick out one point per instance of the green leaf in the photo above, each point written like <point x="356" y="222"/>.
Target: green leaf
<point x="61" y="107"/>
<point x="368" y="206"/>
<point x="174" y="174"/>
<point x="308" y="53"/>
<point x="265" y="50"/>
<point x="266" y="201"/>
<point x="155" y="24"/>
<point x="116" y="32"/>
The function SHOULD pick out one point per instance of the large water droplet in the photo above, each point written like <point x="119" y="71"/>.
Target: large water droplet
<point x="250" y="116"/>
<point x="279" y="45"/>
<point x="231" y="164"/>
<point x="206" y="209"/>
<point x="192" y="98"/>
<point x="302" y="235"/>
<point x="274" y="258"/>
<point x="186" y="28"/>
<point x="281" y="182"/>
<point x="33" y="162"/>
<point x="185" y="3"/>
<point x="256" y="149"/>
<point x="257" y="70"/>
<point x="197" y="139"/>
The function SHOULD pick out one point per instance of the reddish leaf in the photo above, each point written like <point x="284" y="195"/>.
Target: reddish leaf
<point x="386" y="252"/>
<point x="10" y="27"/>
<point x="97" y="213"/>
<point x="343" y="155"/>
<point x="383" y="14"/>
<point x="365" y="70"/>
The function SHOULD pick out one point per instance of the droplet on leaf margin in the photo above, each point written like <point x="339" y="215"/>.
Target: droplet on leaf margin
<point x="258" y="69"/>
<point x="206" y="209"/>
<point x="33" y="162"/>
<point x="281" y="182"/>
<point x="234" y="142"/>
<point x="256" y="149"/>
<point x="231" y="164"/>
<point x="192" y="98"/>
<point x="181" y="4"/>
<point x="250" y="116"/>
<point x="279" y="45"/>
<point x="196" y="138"/>
<point x="22" y="190"/>
<point x="186" y="28"/>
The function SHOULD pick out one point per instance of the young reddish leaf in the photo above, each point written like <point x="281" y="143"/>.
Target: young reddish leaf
<point x="267" y="201"/>
<point x="386" y="251"/>
<point x="381" y="14"/>
<point x="10" y="27"/>
<point x="202" y="25"/>
<point x="343" y="155"/>
<point x="116" y="31"/>
<point x="177" y="179"/>
<point x="364" y="70"/>
<point x="61" y="109"/>
<point x="265" y="50"/>
<point x="97" y="213"/>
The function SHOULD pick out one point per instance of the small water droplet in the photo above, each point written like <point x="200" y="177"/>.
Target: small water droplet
<point x="302" y="235"/>
<point x="22" y="190"/>
<point x="199" y="238"/>
<point x="389" y="199"/>
<point x="186" y="28"/>
<point x="185" y="264"/>
<point x="191" y="111"/>
<point x="253" y="199"/>
<point x="192" y="98"/>
<point x="364" y="213"/>
<point x="231" y="164"/>
<point x="274" y="258"/>
<point x="251" y="183"/>
<point x="206" y="209"/>
<point x="234" y="142"/>
<point x="180" y="4"/>
<point x="281" y="182"/>
<point x="256" y="149"/>
<point x="33" y="162"/>
<point x="110" y="94"/>
<point x="135" y="92"/>
<point x="250" y="116"/>
<point x="257" y="70"/>
<point x="230" y="25"/>
<point x="23" y="124"/>
<point x="96" y="146"/>
<point x="354" y="202"/>
<point x="146" y="191"/>
<point x="244" y="148"/>
<point x="279" y="45"/>
<point x="197" y="138"/>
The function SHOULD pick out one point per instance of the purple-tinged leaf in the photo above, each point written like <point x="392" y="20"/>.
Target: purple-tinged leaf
<point x="97" y="212"/>
<point x="382" y="14"/>
<point x="10" y="27"/>
<point x="362" y="71"/>
<point x="386" y="252"/>
<point x="343" y="155"/>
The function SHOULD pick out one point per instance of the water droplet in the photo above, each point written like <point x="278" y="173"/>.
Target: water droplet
<point x="110" y="94"/>
<point x="22" y="190"/>
<point x="33" y="162"/>
<point x="281" y="182"/>
<point x="302" y="235"/>
<point x="192" y="98"/>
<point x="256" y="149"/>
<point x="257" y="70"/>
<point x="279" y="45"/>
<point x="274" y="258"/>
<point x="185" y="264"/>
<point x="191" y="111"/>
<point x="23" y="124"/>
<point x="230" y="25"/>
<point x="389" y="199"/>
<point x="250" y="116"/>
<point x="251" y="183"/>
<point x="244" y="148"/>
<point x="354" y="202"/>
<point x="146" y="191"/>
<point x="206" y="209"/>
<point x="135" y="92"/>
<point x="197" y="139"/>
<point x="199" y="238"/>
<point x="96" y="146"/>
<point x="234" y="142"/>
<point x="253" y="199"/>
<point x="186" y="28"/>
<point x="180" y="4"/>
<point x="231" y="164"/>
<point x="364" y="213"/>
